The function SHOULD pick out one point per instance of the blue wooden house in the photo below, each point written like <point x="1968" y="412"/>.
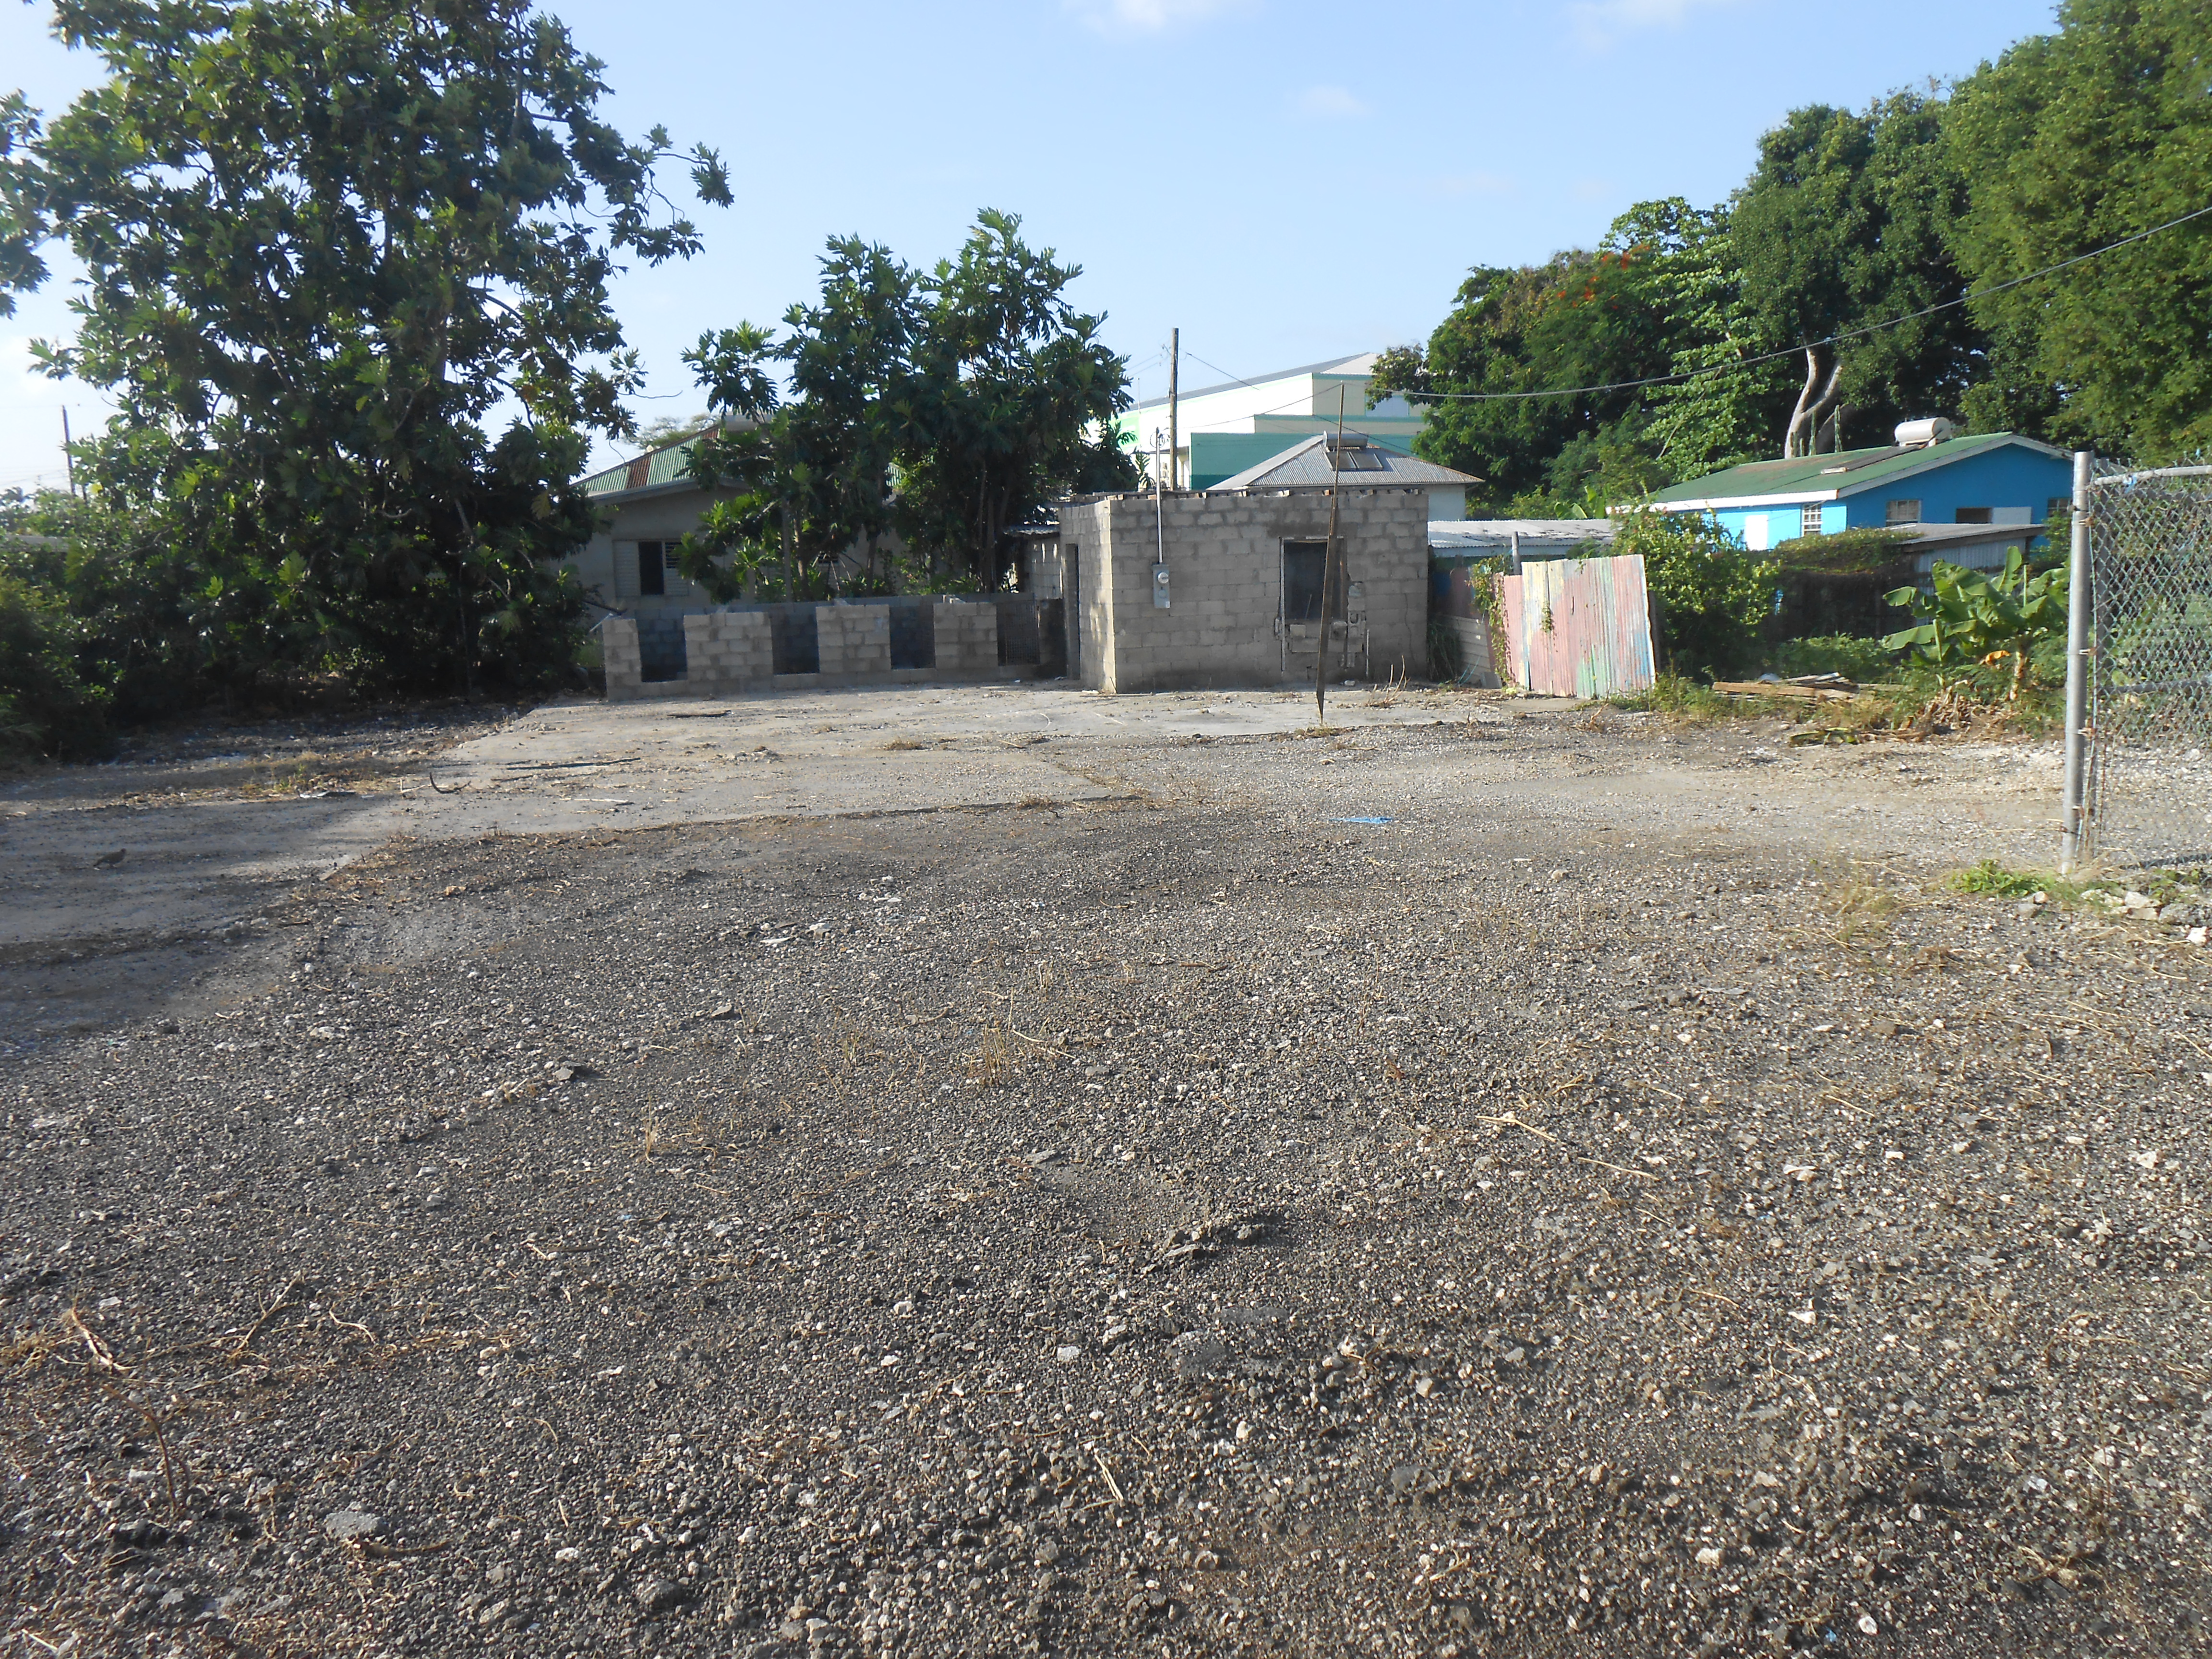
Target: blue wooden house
<point x="1997" y="478"/>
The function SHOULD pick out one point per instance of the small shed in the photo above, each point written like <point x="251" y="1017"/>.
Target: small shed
<point x="1223" y="587"/>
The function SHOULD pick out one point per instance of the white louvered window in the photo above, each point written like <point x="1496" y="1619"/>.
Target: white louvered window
<point x="1906" y="511"/>
<point x="1809" y="519"/>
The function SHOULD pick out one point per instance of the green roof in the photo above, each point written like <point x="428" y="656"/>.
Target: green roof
<point x="1828" y="476"/>
<point x="657" y="466"/>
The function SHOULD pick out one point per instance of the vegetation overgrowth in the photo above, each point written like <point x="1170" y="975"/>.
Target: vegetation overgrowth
<point x="348" y="274"/>
<point x="2065" y="143"/>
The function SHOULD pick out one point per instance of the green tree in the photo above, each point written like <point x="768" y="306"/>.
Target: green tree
<point x="1011" y="391"/>
<point x="945" y="407"/>
<point x="1842" y="224"/>
<point x="324" y="239"/>
<point x="1583" y="319"/>
<point x="810" y="476"/>
<point x="1725" y="404"/>
<point x="2075" y="140"/>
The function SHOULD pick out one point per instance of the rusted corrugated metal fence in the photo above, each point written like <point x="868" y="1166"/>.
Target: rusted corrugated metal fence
<point x="1576" y="628"/>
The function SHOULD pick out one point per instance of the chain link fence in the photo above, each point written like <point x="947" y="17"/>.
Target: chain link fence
<point x="2148" y="782"/>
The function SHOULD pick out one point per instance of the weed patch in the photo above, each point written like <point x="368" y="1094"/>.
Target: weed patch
<point x="1992" y="877"/>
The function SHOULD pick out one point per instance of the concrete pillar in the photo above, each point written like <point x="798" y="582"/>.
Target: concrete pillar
<point x="853" y="639"/>
<point x="619" y="656"/>
<point x="967" y="636"/>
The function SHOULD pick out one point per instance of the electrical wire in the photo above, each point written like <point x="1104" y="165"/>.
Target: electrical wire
<point x="1838" y="338"/>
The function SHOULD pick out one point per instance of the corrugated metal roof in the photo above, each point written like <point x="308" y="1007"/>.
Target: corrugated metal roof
<point x="1306" y="466"/>
<point x="1824" y="478"/>
<point x="665" y="466"/>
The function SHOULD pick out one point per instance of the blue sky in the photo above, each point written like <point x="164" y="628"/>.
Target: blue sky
<point x="1286" y="181"/>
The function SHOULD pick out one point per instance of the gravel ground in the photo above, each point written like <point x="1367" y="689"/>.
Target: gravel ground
<point x="1603" y="1218"/>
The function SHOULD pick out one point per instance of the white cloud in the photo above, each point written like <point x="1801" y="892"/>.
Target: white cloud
<point x="1330" y="103"/>
<point x="1149" y="16"/>
<point x="1598" y="24"/>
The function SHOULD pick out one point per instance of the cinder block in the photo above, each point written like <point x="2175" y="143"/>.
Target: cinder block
<point x="853" y="639"/>
<point x="620" y="658"/>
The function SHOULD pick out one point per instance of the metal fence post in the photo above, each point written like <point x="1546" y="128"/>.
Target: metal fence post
<point x="2071" y="846"/>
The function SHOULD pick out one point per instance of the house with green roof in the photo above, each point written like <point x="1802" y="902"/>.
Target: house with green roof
<point x="1928" y="478"/>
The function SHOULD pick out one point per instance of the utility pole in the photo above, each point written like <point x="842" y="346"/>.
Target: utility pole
<point x="1174" y="361"/>
<point x="69" y="461"/>
<point x="1330" y="561"/>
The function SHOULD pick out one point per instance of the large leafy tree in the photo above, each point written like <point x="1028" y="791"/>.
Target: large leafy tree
<point x="809" y="476"/>
<point x="1842" y="224"/>
<point x="1725" y="394"/>
<point x="2073" y="141"/>
<point x="1581" y="319"/>
<point x="1012" y="395"/>
<point x="945" y="407"/>
<point x="325" y="240"/>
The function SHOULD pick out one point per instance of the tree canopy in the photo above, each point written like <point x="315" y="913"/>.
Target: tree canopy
<point x="945" y="406"/>
<point x="1828" y="298"/>
<point x="325" y="244"/>
<point x="2073" y="141"/>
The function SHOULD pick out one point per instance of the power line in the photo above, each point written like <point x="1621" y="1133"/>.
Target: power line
<point x="1791" y="351"/>
<point x="1763" y="357"/>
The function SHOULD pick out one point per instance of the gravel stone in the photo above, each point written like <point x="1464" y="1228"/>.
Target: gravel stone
<point x="1456" y="1303"/>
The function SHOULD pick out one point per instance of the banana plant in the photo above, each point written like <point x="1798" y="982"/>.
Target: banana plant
<point x="1976" y="618"/>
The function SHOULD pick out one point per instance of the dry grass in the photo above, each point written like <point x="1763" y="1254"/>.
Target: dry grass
<point x="1860" y="910"/>
<point x="991" y="1064"/>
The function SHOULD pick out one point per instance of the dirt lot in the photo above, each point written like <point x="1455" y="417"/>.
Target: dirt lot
<point x="1015" y="1173"/>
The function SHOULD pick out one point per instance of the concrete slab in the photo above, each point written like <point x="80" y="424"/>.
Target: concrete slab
<point x="785" y="754"/>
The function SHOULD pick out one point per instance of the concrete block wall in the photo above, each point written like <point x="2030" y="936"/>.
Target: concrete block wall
<point x="853" y="639"/>
<point x="1225" y="562"/>
<point x="729" y="650"/>
<point x="967" y="636"/>
<point x="619" y="658"/>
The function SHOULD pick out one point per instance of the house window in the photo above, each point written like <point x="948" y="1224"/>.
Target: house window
<point x="1303" y="565"/>
<point x="1972" y="515"/>
<point x="1809" y="519"/>
<point x="653" y="568"/>
<point x="2057" y="506"/>
<point x="1901" y="512"/>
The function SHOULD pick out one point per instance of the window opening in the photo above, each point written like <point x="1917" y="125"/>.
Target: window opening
<point x="1303" y="566"/>
<point x="1902" y="512"/>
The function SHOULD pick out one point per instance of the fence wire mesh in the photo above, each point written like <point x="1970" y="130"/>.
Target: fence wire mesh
<point x="2150" y="686"/>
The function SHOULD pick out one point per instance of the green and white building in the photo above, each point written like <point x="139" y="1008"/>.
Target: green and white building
<point x="1222" y="431"/>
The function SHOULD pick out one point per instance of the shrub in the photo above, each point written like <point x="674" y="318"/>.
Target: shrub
<point x="1978" y="621"/>
<point x="46" y="707"/>
<point x="1711" y="593"/>
<point x="1991" y="877"/>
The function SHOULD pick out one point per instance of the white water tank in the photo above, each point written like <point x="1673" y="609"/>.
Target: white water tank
<point x="1918" y="434"/>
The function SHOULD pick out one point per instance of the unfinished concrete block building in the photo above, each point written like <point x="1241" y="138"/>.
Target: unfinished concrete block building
<point x="1223" y="587"/>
